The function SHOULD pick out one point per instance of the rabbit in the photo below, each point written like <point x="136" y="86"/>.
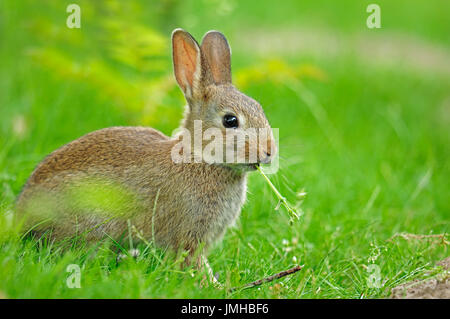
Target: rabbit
<point x="101" y="182"/>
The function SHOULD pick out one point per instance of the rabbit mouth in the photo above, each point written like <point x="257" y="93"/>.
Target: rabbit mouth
<point x="251" y="166"/>
<point x="244" y="167"/>
<point x="247" y="167"/>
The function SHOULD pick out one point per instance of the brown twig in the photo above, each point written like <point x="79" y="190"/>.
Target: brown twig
<point x="442" y="238"/>
<point x="268" y="279"/>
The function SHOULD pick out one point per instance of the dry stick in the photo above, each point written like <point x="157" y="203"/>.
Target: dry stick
<point x="408" y="236"/>
<point x="268" y="279"/>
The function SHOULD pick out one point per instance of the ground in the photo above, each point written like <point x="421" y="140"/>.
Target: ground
<point x="427" y="289"/>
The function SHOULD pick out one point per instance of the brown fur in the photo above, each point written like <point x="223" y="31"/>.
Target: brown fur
<point x="196" y="202"/>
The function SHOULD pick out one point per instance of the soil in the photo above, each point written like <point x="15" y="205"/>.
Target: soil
<point x="436" y="288"/>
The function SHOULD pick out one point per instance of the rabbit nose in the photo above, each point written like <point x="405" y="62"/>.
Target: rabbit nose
<point x="268" y="152"/>
<point x="267" y="158"/>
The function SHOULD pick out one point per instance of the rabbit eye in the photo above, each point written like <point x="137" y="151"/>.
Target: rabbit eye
<point x="230" y="121"/>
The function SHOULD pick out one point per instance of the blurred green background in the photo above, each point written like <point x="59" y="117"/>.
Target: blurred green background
<point x="363" y="116"/>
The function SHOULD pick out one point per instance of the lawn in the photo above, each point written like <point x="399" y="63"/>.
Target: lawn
<point x="363" y="118"/>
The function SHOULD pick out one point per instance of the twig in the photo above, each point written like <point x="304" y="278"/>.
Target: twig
<point x="268" y="279"/>
<point x="407" y="236"/>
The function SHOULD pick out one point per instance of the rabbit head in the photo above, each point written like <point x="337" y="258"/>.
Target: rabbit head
<point x="203" y="73"/>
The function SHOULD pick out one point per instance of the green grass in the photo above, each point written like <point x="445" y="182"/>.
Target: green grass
<point x="366" y="139"/>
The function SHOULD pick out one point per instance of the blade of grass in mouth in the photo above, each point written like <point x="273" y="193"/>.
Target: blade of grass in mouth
<point x="281" y="199"/>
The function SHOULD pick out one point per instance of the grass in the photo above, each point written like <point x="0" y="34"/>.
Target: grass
<point x="367" y="140"/>
<point x="282" y="201"/>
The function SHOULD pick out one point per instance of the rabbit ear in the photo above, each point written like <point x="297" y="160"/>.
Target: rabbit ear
<point x="186" y="62"/>
<point x="217" y="52"/>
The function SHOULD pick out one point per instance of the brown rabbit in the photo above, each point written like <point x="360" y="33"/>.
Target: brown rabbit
<point x="98" y="183"/>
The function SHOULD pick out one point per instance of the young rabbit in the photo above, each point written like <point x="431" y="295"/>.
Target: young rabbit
<point x="106" y="179"/>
